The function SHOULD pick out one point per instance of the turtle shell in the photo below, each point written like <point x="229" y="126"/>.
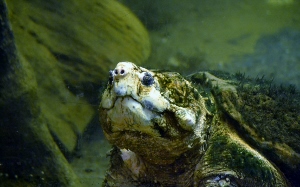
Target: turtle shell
<point x="265" y="115"/>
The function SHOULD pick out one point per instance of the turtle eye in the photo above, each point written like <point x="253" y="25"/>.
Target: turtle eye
<point x="147" y="79"/>
<point x="111" y="77"/>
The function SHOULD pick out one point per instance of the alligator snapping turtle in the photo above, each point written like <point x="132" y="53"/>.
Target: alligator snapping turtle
<point x="210" y="129"/>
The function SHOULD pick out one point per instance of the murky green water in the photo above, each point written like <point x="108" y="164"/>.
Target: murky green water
<point x="224" y="34"/>
<point x="258" y="37"/>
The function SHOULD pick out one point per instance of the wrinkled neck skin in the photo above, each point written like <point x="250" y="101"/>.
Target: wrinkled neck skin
<point x="136" y="171"/>
<point x="157" y="122"/>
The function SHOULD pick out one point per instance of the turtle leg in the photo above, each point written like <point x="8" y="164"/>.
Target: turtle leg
<point x="229" y="161"/>
<point x="117" y="175"/>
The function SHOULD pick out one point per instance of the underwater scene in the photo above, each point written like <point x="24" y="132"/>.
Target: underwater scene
<point x="150" y="93"/>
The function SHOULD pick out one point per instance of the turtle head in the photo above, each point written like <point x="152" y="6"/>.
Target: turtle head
<point x="136" y="84"/>
<point x="156" y="115"/>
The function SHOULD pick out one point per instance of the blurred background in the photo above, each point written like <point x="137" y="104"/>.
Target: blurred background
<point x="257" y="37"/>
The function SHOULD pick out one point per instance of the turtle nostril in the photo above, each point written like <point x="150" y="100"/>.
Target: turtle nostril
<point x="120" y="72"/>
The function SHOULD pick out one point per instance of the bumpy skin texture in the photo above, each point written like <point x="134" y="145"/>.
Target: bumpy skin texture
<point x="166" y="132"/>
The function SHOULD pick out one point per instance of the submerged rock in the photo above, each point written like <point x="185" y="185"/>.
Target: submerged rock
<point x="210" y="129"/>
<point x="29" y="156"/>
<point x="47" y="49"/>
<point x="70" y="46"/>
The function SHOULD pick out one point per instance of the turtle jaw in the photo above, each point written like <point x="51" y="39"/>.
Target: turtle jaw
<point x="129" y="115"/>
<point x="155" y="136"/>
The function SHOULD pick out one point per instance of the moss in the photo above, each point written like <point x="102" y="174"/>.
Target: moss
<point x="271" y="110"/>
<point x="266" y="115"/>
<point x="229" y="154"/>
